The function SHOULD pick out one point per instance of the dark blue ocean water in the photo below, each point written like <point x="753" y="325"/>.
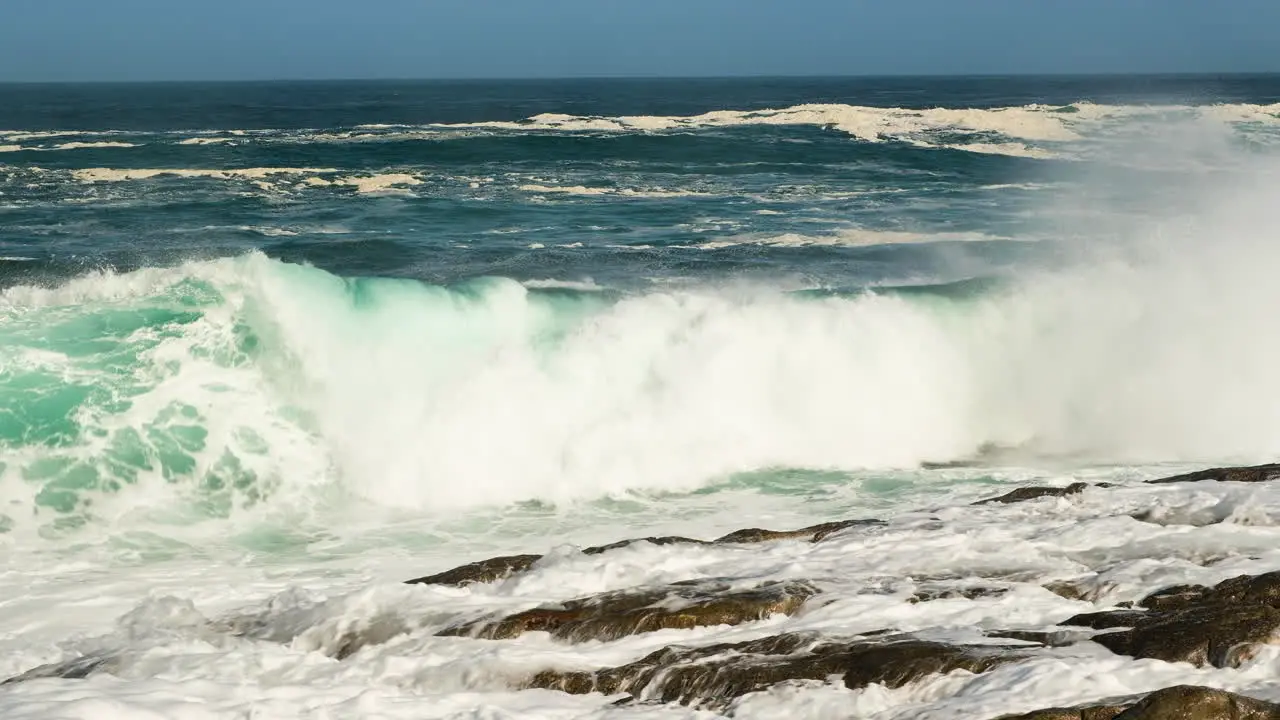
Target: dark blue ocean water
<point x="794" y="194"/>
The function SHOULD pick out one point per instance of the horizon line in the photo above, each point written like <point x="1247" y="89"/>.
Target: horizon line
<point x="552" y="78"/>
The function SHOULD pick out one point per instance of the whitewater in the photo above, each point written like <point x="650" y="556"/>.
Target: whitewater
<point x="253" y="377"/>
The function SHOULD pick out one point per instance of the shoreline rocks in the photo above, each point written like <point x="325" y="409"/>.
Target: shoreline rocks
<point x="1208" y="626"/>
<point x="713" y="675"/>
<point x="1180" y="702"/>
<point x="610" y="616"/>
<point x="500" y="568"/>
<point x="1220" y="626"/>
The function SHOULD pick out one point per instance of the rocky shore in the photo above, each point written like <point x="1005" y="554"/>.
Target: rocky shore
<point x="1221" y="625"/>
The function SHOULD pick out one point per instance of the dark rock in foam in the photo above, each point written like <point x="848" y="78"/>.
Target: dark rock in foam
<point x="714" y="675"/>
<point x="1220" y="626"/>
<point x="617" y="614"/>
<point x="1180" y="702"/>
<point x="500" y="568"/>
<point x="480" y="572"/>
<point x="1032" y="493"/>
<point x="1249" y="474"/>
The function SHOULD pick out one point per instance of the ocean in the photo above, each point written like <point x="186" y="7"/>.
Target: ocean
<point x="269" y="350"/>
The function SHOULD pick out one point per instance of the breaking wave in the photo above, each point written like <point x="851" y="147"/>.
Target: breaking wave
<point x="248" y="382"/>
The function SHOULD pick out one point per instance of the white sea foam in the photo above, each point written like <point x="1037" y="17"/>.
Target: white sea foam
<point x="95" y="175"/>
<point x="23" y="135"/>
<point x="620" y="192"/>
<point x="550" y="283"/>
<point x="174" y="662"/>
<point x="90" y="145"/>
<point x="385" y="183"/>
<point x="847" y="237"/>
<point x="205" y="140"/>
<point x="1009" y="149"/>
<point x="1020" y="126"/>
<point x="10" y="148"/>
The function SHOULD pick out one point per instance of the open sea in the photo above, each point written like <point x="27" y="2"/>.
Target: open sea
<point x="267" y="350"/>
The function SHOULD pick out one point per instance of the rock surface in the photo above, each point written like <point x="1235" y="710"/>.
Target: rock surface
<point x="1251" y="474"/>
<point x="480" y="572"/>
<point x="1031" y="493"/>
<point x="1180" y="702"/>
<point x="1219" y="626"/>
<point x="617" y="614"/>
<point x="500" y="568"/>
<point x="75" y="669"/>
<point x="712" y="676"/>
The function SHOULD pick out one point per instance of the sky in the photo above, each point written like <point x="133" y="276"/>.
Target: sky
<point x="133" y="40"/>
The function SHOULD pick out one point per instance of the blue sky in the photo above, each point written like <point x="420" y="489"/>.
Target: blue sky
<point x="53" y="40"/>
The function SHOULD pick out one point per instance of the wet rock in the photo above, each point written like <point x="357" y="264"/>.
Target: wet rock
<point x="377" y="631"/>
<point x="1047" y="638"/>
<point x="1220" y="626"/>
<point x="76" y="669"/>
<point x="1181" y="702"/>
<point x="500" y="568"/>
<point x="1202" y="636"/>
<point x="617" y="614"/>
<point x="1251" y="474"/>
<point x="1031" y="493"/>
<point x="1095" y="712"/>
<point x="1108" y="619"/>
<point x="1085" y="588"/>
<point x="971" y="592"/>
<point x="480" y="572"/>
<point x="813" y="533"/>
<point x="665" y="540"/>
<point x="1190" y="702"/>
<point x="717" y="674"/>
<point x="1172" y="598"/>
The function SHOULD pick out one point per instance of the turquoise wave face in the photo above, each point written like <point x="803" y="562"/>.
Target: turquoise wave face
<point x="221" y="385"/>
<point x="250" y="386"/>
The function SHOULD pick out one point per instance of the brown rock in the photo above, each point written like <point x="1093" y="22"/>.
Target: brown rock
<point x="75" y="669"/>
<point x="1181" y="702"/>
<point x="1055" y="638"/>
<point x="1217" y="635"/>
<point x="500" y="568"/>
<point x="813" y="533"/>
<point x="1219" y="626"/>
<point x="1078" y="589"/>
<point x="665" y="540"/>
<point x="969" y="592"/>
<point x="1108" y="619"/>
<point x="1097" y="712"/>
<point x="1031" y="493"/>
<point x="1174" y="597"/>
<point x="617" y="614"/>
<point x="714" y="675"/>
<point x="480" y="572"/>
<point x="1252" y="474"/>
<point x="1190" y="702"/>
